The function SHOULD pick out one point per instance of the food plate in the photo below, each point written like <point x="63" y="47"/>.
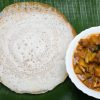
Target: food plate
<point x="81" y="14"/>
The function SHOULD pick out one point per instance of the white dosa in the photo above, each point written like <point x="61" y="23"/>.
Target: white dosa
<point x="33" y="42"/>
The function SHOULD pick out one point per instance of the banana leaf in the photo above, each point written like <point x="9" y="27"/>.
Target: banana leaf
<point x="81" y="14"/>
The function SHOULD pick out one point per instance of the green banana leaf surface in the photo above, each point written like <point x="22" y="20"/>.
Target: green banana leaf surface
<point x="81" y="14"/>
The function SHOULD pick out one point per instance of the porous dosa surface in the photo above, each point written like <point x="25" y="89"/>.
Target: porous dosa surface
<point x="33" y="42"/>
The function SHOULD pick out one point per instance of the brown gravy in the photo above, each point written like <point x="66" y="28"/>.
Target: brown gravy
<point x="86" y="61"/>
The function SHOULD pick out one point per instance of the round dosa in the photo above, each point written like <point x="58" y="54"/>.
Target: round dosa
<point x="33" y="42"/>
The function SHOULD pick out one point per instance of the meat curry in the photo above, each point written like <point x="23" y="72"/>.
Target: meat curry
<point x="86" y="61"/>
